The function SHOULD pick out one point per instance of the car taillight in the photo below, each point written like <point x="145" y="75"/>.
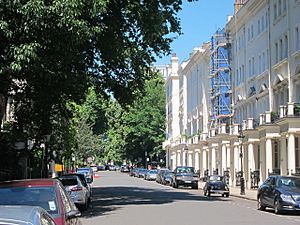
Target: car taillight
<point x="76" y="189"/>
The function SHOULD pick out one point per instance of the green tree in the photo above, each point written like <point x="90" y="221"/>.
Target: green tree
<point x="138" y="129"/>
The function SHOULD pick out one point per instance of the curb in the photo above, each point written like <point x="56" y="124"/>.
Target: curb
<point x="237" y="196"/>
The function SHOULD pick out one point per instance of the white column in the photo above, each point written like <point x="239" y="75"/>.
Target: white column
<point x="178" y="158"/>
<point x="184" y="158"/>
<point x="283" y="156"/>
<point x="251" y="162"/>
<point x="291" y="154"/>
<point x="269" y="156"/>
<point x="262" y="162"/>
<point x="190" y="158"/>
<point x="237" y="166"/>
<point x="204" y="161"/>
<point x="197" y="163"/>
<point x="223" y="159"/>
<point x="228" y="154"/>
<point x="213" y="160"/>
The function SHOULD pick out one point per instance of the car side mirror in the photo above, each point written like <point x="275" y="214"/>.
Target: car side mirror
<point x="73" y="214"/>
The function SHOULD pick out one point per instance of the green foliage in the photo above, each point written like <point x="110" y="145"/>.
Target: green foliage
<point x="138" y="129"/>
<point x="53" y="51"/>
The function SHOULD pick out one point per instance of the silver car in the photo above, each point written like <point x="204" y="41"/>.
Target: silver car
<point x="24" y="215"/>
<point x="79" y="193"/>
<point x="151" y="175"/>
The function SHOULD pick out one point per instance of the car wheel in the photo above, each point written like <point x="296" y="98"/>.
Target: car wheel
<point x="227" y="195"/>
<point x="175" y="185"/>
<point x="277" y="207"/>
<point x="260" y="205"/>
<point x="195" y="186"/>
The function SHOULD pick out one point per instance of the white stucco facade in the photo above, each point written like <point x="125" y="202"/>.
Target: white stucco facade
<point x="263" y="137"/>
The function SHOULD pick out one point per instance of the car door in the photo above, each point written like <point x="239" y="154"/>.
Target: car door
<point x="264" y="191"/>
<point x="270" y="192"/>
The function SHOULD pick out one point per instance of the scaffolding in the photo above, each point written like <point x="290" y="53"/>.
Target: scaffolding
<point x="220" y="80"/>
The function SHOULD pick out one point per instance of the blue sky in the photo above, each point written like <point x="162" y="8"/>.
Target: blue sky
<point x="199" y="20"/>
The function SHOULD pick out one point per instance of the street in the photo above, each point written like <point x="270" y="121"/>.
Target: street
<point x="119" y="199"/>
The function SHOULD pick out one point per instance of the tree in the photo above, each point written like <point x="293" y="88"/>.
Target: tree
<point x="52" y="51"/>
<point x="137" y="130"/>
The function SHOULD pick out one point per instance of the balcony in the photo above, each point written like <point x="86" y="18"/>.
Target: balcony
<point x="290" y="110"/>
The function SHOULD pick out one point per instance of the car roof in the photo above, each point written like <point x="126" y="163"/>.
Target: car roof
<point x="21" y="214"/>
<point x="29" y="182"/>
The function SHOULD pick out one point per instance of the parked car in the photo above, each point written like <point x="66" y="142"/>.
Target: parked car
<point x="78" y="190"/>
<point x="88" y="172"/>
<point x="185" y="176"/>
<point x="167" y="178"/>
<point x="160" y="174"/>
<point x="24" y="215"/>
<point x="216" y="184"/>
<point x="281" y="193"/>
<point x="151" y="175"/>
<point x="124" y="169"/>
<point x="141" y="173"/>
<point x="101" y="167"/>
<point x="46" y="193"/>
<point x="94" y="168"/>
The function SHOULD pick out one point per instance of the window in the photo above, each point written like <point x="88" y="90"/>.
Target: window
<point x="276" y="52"/>
<point x="248" y="33"/>
<point x="275" y="11"/>
<point x="280" y="49"/>
<point x="249" y="67"/>
<point x="297" y="38"/>
<point x="279" y="8"/>
<point x="258" y="26"/>
<point x="263" y="62"/>
<point x="283" y="5"/>
<point x="252" y="31"/>
<point x="253" y="68"/>
<point x="263" y="23"/>
<point x="286" y="46"/>
<point x="260" y="64"/>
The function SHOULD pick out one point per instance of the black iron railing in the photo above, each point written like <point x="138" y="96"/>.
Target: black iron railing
<point x="227" y="176"/>
<point x="254" y="178"/>
<point x="238" y="176"/>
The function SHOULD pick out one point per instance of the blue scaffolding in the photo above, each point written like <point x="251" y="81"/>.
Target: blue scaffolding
<point x="220" y="79"/>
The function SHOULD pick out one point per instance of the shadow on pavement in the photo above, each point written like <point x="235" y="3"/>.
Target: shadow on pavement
<point x="106" y="200"/>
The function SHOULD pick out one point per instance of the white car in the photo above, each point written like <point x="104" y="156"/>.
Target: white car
<point x="79" y="193"/>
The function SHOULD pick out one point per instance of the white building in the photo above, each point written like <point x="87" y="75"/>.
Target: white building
<point x="265" y="70"/>
<point x="187" y="109"/>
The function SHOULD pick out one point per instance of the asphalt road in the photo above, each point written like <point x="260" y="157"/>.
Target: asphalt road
<point x="122" y="200"/>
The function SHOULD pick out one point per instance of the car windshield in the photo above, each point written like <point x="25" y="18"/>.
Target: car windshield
<point x="215" y="178"/>
<point x="44" y="197"/>
<point x="185" y="170"/>
<point x="68" y="181"/>
<point x="289" y="182"/>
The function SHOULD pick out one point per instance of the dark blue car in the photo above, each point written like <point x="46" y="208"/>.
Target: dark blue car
<point x="281" y="193"/>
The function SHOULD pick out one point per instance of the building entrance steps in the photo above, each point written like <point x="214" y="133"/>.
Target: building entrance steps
<point x="250" y="194"/>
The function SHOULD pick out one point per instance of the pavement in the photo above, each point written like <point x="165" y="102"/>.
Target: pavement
<point x="250" y="194"/>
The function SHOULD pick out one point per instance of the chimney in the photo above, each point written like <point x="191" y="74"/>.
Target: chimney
<point x="239" y="4"/>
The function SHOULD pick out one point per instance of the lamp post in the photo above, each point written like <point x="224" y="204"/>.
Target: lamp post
<point x="185" y="152"/>
<point x="242" y="180"/>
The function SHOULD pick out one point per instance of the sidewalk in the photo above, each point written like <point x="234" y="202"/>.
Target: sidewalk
<point x="235" y="191"/>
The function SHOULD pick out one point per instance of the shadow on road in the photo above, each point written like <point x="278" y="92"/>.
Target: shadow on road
<point x="106" y="200"/>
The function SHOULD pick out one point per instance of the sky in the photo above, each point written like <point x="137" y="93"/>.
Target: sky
<point x="199" y="21"/>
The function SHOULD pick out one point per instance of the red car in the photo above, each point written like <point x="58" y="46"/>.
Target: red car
<point x="46" y="193"/>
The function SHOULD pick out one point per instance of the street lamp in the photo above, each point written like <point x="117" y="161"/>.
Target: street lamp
<point x="185" y="152"/>
<point x="242" y="180"/>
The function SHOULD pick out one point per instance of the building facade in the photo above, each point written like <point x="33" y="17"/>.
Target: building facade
<point x="262" y="134"/>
